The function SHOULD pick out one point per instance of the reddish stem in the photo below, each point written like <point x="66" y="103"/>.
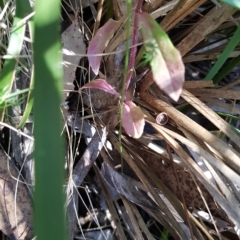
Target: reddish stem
<point x="134" y="44"/>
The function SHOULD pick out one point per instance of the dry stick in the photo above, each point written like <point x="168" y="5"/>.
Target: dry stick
<point x="111" y="206"/>
<point x="80" y="171"/>
<point x="213" y="19"/>
<point x="211" y="115"/>
<point x="99" y="15"/>
<point x="231" y="157"/>
<point x="235" y="218"/>
<point x="145" y="181"/>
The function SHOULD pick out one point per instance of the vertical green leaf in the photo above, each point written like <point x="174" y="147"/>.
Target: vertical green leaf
<point x="23" y="9"/>
<point x="225" y="54"/>
<point x="49" y="154"/>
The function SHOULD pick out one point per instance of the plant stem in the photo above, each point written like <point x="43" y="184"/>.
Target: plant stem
<point x="134" y="44"/>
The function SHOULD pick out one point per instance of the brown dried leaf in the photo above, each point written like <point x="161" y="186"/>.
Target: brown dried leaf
<point x="73" y="43"/>
<point x="16" y="203"/>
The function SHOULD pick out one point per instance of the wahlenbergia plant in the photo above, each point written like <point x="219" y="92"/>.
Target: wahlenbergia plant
<point x="165" y="61"/>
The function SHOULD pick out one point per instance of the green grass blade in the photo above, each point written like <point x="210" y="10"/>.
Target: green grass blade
<point x="227" y="69"/>
<point x="165" y="234"/>
<point x="225" y="54"/>
<point x="49" y="149"/>
<point x="29" y="101"/>
<point x="234" y="3"/>
<point x="14" y="48"/>
<point x="228" y="115"/>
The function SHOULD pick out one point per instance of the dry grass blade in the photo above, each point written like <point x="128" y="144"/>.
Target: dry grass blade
<point x="79" y="173"/>
<point x="206" y="56"/>
<point x="198" y="84"/>
<point x="232" y="84"/>
<point x="212" y="20"/>
<point x="216" y="93"/>
<point x="111" y="206"/>
<point x="141" y="223"/>
<point x="175" y="226"/>
<point x="164" y="9"/>
<point x="235" y="218"/>
<point x="152" y="6"/>
<point x="125" y="188"/>
<point x="99" y="16"/>
<point x="211" y="116"/>
<point x="231" y="157"/>
<point x="210" y="161"/>
<point x="128" y="206"/>
<point x="228" y="107"/>
<point x="179" y="212"/>
<point x="179" y="12"/>
<point x="173" y="200"/>
<point x="91" y="153"/>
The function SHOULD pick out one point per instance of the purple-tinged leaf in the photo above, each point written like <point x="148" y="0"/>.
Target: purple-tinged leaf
<point x="102" y="85"/>
<point x="99" y="43"/>
<point x="132" y="119"/>
<point x="166" y="63"/>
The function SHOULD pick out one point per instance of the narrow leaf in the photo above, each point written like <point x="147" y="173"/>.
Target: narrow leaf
<point x="234" y="3"/>
<point x="99" y="43"/>
<point x="132" y="119"/>
<point x="101" y="84"/>
<point x="224" y="56"/>
<point x="166" y="62"/>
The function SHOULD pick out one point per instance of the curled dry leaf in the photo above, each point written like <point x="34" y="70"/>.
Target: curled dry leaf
<point x="132" y="119"/>
<point x="166" y="62"/>
<point x="16" y="209"/>
<point x="99" y="43"/>
<point x="101" y="84"/>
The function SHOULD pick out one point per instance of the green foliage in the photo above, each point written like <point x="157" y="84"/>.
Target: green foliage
<point x="165" y="234"/>
<point x="234" y="3"/>
<point x="227" y="69"/>
<point x="49" y="149"/>
<point x="223" y="57"/>
<point x="14" y="48"/>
